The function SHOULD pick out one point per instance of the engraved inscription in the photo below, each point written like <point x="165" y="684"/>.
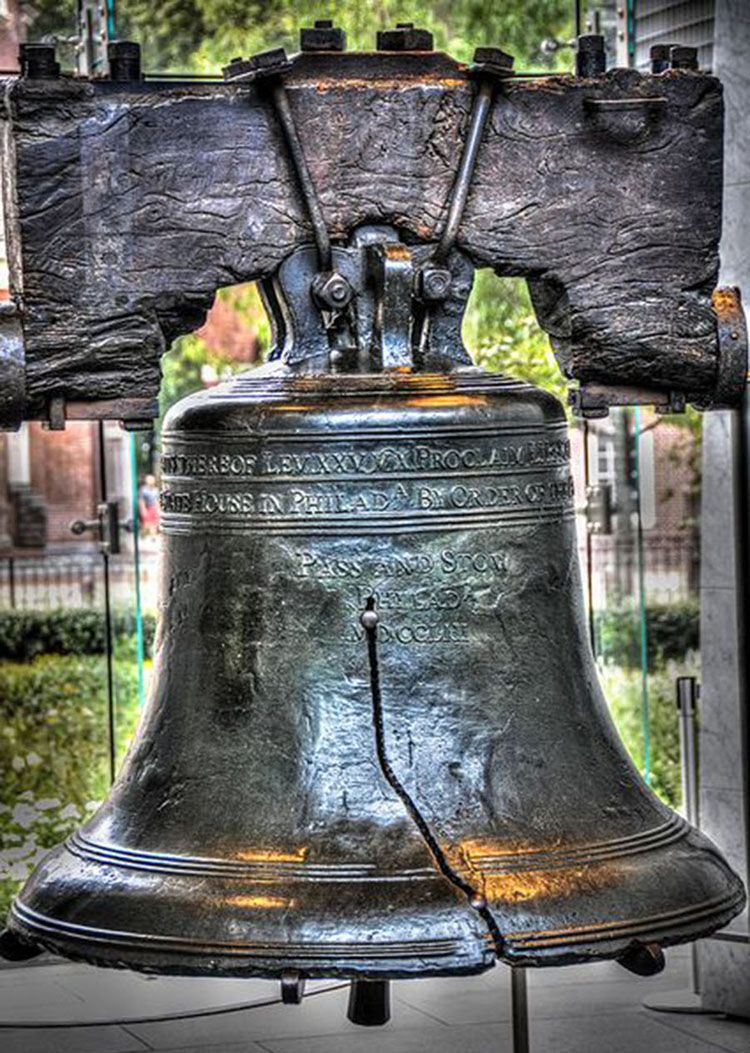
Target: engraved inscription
<point x="355" y="499"/>
<point x="448" y="561"/>
<point x="380" y="460"/>
<point x="424" y="598"/>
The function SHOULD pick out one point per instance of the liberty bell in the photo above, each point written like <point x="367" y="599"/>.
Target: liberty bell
<point x="375" y="745"/>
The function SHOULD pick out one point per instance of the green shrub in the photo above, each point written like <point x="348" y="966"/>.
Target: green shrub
<point x="74" y="630"/>
<point x="624" y="694"/>
<point x="54" y="752"/>
<point x="673" y="630"/>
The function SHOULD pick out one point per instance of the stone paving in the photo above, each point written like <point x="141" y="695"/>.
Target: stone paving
<point x="581" y="1009"/>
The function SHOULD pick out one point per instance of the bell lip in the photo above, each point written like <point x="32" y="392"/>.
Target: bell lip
<point x="668" y="929"/>
<point x="159" y="955"/>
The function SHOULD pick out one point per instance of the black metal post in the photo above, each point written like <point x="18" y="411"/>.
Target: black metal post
<point x="519" y="1009"/>
<point x="108" y="619"/>
<point x="742" y="588"/>
<point x="589" y="543"/>
<point x="369" y="1002"/>
<point x="12" y="581"/>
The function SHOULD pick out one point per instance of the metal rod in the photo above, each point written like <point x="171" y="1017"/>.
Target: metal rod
<point x="687" y="694"/>
<point x="108" y="620"/>
<point x="589" y="540"/>
<point x="299" y="162"/>
<point x="642" y="608"/>
<point x="520" y="1009"/>
<point x="12" y="580"/>
<point x="135" y="516"/>
<point x="479" y="114"/>
<point x="742" y="588"/>
<point x="687" y="697"/>
<point x="730" y="936"/>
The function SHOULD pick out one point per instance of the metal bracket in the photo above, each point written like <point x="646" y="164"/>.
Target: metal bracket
<point x="106" y="525"/>
<point x="731" y="331"/>
<point x="598" y="508"/>
<point x="390" y="285"/>
<point x="393" y="272"/>
<point x="593" y="400"/>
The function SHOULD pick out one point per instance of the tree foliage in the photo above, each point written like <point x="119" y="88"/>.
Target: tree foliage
<point x="202" y="35"/>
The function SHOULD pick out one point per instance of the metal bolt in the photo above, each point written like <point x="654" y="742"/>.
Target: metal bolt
<point x="331" y="291"/>
<point x="265" y="64"/>
<point x="683" y="57"/>
<point x="404" y="38"/>
<point x="434" y="283"/>
<point x="591" y="55"/>
<point x="478" y="902"/>
<point x="494" y="61"/>
<point x="124" y="57"/>
<point x="37" y="61"/>
<point x="369" y="619"/>
<point x="323" y="36"/>
<point x="659" y="55"/>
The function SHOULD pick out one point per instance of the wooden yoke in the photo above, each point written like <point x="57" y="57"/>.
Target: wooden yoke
<point x="129" y="204"/>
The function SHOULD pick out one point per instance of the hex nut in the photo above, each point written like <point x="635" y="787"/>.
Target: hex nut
<point x="331" y="291"/>
<point x="434" y="283"/>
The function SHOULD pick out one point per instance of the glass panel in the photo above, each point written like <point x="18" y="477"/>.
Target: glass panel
<point x="53" y="683"/>
<point x="643" y="572"/>
<point x="129" y="571"/>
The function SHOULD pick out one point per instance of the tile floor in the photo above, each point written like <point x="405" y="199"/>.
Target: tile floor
<point x="581" y="1009"/>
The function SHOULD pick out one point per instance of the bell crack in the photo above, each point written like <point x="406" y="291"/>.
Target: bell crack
<point x="369" y="620"/>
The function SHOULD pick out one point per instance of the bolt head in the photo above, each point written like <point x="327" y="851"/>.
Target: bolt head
<point x="405" y="37"/>
<point x="683" y="57"/>
<point x="369" y="619"/>
<point x="435" y="283"/>
<point x="493" y="60"/>
<point x="331" y="291"/>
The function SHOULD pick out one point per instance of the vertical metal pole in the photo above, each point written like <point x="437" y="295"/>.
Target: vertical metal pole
<point x="642" y="609"/>
<point x="742" y="591"/>
<point x="12" y="580"/>
<point x="687" y="696"/>
<point x="519" y="1009"/>
<point x="140" y="654"/>
<point x="589" y="543"/>
<point x="108" y="619"/>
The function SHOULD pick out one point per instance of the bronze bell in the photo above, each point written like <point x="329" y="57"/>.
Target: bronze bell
<point x="375" y="746"/>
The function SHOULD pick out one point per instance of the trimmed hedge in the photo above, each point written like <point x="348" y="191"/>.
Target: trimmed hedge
<point x="54" y="752"/>
<point x="673" y="630"/>
<point x="75" y="630"/>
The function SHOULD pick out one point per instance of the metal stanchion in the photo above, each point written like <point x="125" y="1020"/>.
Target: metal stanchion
<point x="519" y="1009"/>
<point x="687" y="709"/>
<point x="687" y="691"/>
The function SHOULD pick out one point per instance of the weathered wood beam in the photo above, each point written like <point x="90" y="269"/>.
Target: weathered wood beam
<point x="131" y="204"/>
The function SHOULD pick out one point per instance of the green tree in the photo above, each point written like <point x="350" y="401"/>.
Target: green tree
<point x="501" y="332"/>
<point x="204" y="34"/>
